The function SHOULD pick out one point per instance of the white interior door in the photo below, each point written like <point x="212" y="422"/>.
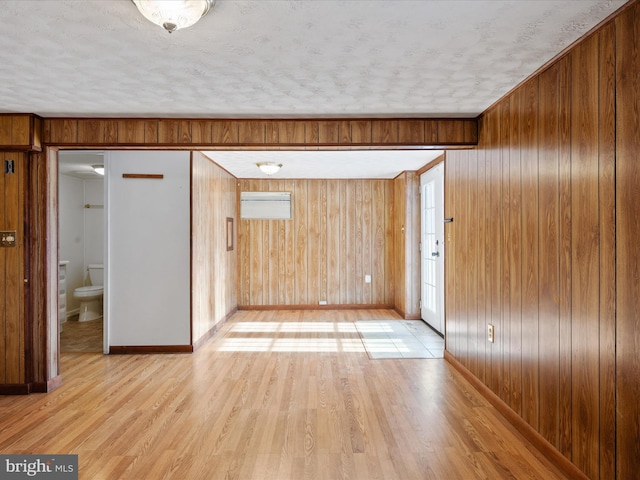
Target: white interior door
<point x="432" y="246"/>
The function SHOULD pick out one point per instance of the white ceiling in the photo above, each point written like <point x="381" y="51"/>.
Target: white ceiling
<point x="78" y="163"/>
<point x="323" y="164"/>
<point x="281" y="58"/>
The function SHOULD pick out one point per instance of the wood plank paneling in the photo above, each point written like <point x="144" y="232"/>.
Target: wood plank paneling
<point x="565" y="246"/>
<point x="12" y="366"/>
<point x="392" y="133"/>
<point x="399" y="217"/>
<point x="585" y="256"/>
<point x="484" y="252"/>
<point x="384" y="131"/>
<point x="514" y="355"/>
<point x="548" y="154"/>
<point x="130" y="131"/>
<point x="505" y="232"/>
<point x="214" y="269"/>
<point x="20" y="132"/>
<point x="548" y="227"/>
<point x="530" y="253"/>
<point x="168" y="131"/>
<point x="546" y="216"/>
<point x="475" y="329"/>
<point x="5" y="130"/>
<point x="201" y="132"/>
<point x="338" y="234"/>
<point x="4" y="274"/>
<point x="607" y="236"/>
<point x="301" y="237"/>
<point x="627" y="361"/>
<point x="494" y="257"/>
<point x="14" y="266"/>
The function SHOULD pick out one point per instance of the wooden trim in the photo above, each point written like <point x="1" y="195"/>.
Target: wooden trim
<point x="526" y="430"/>
<point x="259" y="133"/>
<point x="431" y="164"/>
<point x="154" y="176"/>
<point x="315" y="307"/>
<point x="46" y="387"/>
<point x="20" y="132"/>
<point x="142" y="349"/>
<point x="15" y="389"/>
<point x="205" y="338"/>
<point x="191" y="247"/>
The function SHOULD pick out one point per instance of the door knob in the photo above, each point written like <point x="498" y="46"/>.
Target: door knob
<point x="435" y="254"/>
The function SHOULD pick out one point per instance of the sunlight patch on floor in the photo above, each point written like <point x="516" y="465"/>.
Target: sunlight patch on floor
<point x="378" y="338"/>
<point x="400" y="339"/>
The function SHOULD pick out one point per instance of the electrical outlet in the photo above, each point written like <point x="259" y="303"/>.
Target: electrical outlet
<point x="490" y="333"/>
<point x="322" y="302"/>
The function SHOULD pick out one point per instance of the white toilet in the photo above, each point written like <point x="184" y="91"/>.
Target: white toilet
<point x="91" y="296"/>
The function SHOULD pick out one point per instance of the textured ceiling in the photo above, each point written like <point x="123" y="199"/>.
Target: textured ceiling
<point x="321" y="164"/>
<point x="289" y="58"/>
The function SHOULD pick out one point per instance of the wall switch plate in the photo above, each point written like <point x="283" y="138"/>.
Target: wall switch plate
<point x="367" y="279"/>
<point x="490" y="333"/>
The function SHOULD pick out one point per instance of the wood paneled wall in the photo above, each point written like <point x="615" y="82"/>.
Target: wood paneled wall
<point x="406" y="235"/>
<point x="29" y="329"/>
<point x="12" y="217"/>
<point x="214" y="271"/>
<point x="532" y="250"/>
<point x="341" y="230"/>
<point x="20" y="132"/>
<point x="627" y="376"/>
<point x="191" y="133"/>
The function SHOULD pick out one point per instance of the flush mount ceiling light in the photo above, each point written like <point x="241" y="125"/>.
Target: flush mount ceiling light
<point x="99" y="169"/>
<point x="269" y="167"/>
<point x="174" y="14"/>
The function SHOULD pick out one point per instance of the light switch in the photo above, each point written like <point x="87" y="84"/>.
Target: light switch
<point x="367" y="279"/>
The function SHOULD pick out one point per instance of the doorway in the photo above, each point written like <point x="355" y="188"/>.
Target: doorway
<point x="432" y="247"/>
<point x="81" y="230"/>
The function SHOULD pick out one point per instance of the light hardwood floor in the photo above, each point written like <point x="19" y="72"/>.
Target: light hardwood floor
<point x="274" y="395"/>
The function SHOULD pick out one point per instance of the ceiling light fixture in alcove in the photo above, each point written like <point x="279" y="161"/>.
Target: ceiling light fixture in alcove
<point x="99" y="169"/>
<point x="173" y="15"/>
<point x="269" y="168"/>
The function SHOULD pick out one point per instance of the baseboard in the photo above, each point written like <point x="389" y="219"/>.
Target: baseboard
<point x="342" y="306"/>
<point x="144" y="349"/>
<point x="31" y="387"/>
<point x="15" y="389"/>
<point x="46" y="387"/>
<point x="212" y="331"/>
<point x="526" y="430"/>
<point x="407" y="316"/>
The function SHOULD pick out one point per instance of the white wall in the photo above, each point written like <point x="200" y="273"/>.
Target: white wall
<point x="71" y="218"/>
<point x="148" y="249"/>
<point x="93" y="222"/>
